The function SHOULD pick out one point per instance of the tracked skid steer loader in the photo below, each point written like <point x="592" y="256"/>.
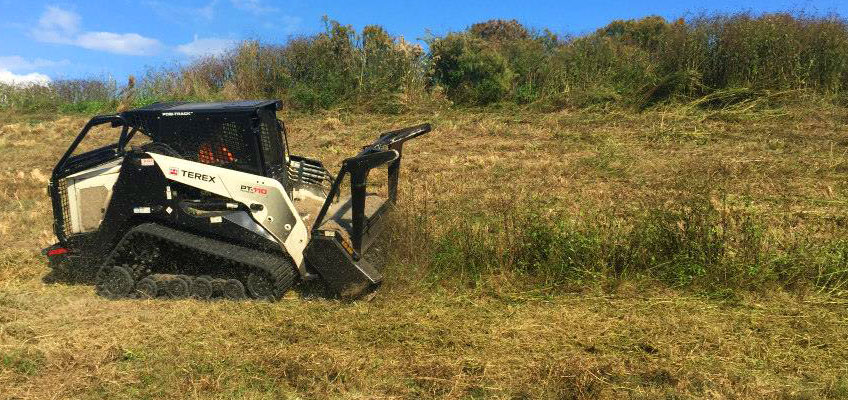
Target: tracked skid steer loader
<point x="213" y="205"/>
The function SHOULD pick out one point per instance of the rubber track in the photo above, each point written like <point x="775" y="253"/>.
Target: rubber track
<point x="278" y="268"/>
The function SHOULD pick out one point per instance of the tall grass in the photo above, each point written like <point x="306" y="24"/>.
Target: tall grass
<point x="73" y="95"/>
<point x="644" y="61"/>
<point x="337" y="67"/>
<point x="636" y="63"/>
<point x="696" y="244"/>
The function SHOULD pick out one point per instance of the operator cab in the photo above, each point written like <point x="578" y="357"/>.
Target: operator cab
<point x="244" y="136"/>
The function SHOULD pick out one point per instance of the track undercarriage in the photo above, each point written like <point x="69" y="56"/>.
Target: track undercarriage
<point x="155" y="261"/>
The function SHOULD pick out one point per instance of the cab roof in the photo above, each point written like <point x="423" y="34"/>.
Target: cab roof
<point x="219" y="107"/>
<point x="183" y="121"/>
<point x="160" y="120"/>
<point x="239" y="130"/>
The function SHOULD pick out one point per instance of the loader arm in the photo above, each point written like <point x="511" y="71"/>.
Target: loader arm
<point x="388" y="148"/>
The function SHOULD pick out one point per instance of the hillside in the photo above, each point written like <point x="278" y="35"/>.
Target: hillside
<point x="575" y="254"/>
<point x="715" y="60"/>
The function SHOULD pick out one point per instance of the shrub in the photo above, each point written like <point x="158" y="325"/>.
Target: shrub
<point x="332" y="68"/>
<point x="471" y="71"/>
<point x="639" y="62"/>
<point x="643" y="61"/>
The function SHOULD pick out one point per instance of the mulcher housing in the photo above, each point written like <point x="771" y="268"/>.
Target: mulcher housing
<point x="214" y="205"/>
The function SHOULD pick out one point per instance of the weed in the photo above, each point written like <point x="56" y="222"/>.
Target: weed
<point x="22" y="362"/>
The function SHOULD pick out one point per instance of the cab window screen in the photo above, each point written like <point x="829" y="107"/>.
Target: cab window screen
<point x="272" y="148"/>
<point x="220" y="141"/>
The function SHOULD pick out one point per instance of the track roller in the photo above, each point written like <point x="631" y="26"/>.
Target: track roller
<point x="147" y="288"/>
<point x="201" y="288"/>
<point x="233" y="289"/>
<point x="114" y="282"/>
<point x="177" y="287"/>
<point x="218" y="287"/>
<point x="186" y="278"/>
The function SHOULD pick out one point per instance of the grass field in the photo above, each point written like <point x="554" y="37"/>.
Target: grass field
<point x="675" y="253"/>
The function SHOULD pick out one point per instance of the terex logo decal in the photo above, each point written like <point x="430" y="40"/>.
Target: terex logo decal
<point x="199" y="176"/>
<point x="254" y="189"/>
<point x="192" y="175"/>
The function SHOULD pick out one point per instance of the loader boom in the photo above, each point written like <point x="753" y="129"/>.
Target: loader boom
<point x="388" y="148"/>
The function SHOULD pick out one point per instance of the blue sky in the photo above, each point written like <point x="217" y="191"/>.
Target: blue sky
<point x="48" y="40"/>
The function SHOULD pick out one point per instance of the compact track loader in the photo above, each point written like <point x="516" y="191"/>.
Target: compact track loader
<point x="213" y="205"/>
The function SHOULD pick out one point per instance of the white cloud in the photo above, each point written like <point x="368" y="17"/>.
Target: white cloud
<point x="253" y="6"/>
<point x="8" y="64"/>
<point x="17" y="63"/>
<point x="61" y="26"/>
<point x="57" y="24"/>
<point x="33" y="78"/>
<point x="206" y="46"/>
<point x="120" y="43"/>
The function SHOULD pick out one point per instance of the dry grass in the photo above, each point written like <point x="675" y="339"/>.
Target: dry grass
<point x="420" y="339"/>
<point x="63" y="342"/>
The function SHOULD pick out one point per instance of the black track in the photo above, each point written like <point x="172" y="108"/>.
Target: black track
<point x="222" y="260"/>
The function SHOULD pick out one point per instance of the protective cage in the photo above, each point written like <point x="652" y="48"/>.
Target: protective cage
<point x="226" y="137"/>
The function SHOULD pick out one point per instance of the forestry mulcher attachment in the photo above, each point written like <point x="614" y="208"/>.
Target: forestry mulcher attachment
<point x="213" y="205"/>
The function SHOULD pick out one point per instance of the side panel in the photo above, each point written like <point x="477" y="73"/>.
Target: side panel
<point x="276" y="214"/>
<point x="88" y="195"/>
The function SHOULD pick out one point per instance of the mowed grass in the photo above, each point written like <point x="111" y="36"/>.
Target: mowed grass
<point x="64" y="342"/>
<point x="440" y="329"/>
